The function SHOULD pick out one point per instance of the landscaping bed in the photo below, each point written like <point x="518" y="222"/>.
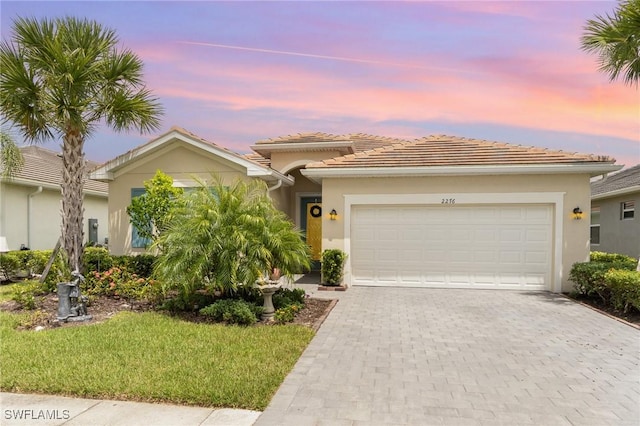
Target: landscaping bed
<point x="103" y="308"/>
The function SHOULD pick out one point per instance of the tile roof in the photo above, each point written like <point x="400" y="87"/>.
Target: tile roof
<point x="442" y="150"/>
<point x="618" y="181"/>
<point x="45" y="167"/>
<point x="257" y="158"/>
<point x="360" y="141"/>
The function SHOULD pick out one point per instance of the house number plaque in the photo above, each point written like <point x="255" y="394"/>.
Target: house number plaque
<point x="448" y="201"/>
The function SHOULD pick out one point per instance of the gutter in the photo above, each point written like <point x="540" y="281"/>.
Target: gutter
<point x="29" y="197"/>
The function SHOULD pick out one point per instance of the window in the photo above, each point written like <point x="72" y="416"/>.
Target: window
<point x="136" y="240"/>
<point x="595" y="225"/>
<point x="627" y="210"/>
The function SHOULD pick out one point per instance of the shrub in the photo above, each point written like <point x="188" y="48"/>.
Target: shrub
<point x="286" y="297"/>
<point x="25" y="294"/>
<point x="620" y="260"/>
<point x="232" y="311"/>
<point x="286" y="314"/>
<point x="96" y="259"/>
<point x="332" y="266"/>
<point x="625" y="289"/>
<point x="119" y="282"/>
<point x="588" y="279"/>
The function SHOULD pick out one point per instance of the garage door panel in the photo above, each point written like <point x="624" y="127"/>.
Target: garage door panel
<point x="455" y="246"/>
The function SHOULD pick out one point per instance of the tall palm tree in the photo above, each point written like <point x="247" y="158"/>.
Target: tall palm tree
<point x="616" y="41"/>
<point x="63" y="78"/>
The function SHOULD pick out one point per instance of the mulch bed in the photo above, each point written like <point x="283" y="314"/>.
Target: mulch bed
<point x="632" y="317"/>
<point x="103" y="308"/>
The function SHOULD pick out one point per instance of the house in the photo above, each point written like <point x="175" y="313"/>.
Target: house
<point x="615" y="225"/>
<point x="439" y="211"/>
<point x="30" y="203"/>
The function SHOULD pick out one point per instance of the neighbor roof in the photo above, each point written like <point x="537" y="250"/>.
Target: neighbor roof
<point x="43" y="167"/>
<point x="452" y="154"/>
<point x="620" y="183"/>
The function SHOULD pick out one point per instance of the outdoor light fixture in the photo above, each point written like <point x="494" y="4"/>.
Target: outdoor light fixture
<point x="333" y="215"/>
<point x="577" y="213"/>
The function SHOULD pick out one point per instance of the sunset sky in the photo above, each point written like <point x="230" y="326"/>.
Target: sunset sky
<point x="238" y="72"/>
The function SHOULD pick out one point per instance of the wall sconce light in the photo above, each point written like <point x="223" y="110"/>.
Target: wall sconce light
<point x="577" y="213"/>
<point x="333" y="215"/>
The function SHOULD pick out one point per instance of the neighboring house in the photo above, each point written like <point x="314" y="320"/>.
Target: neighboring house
<point x="30" y="203"/>
<point x="439" y="211"/>
<point x="615" y="222"/>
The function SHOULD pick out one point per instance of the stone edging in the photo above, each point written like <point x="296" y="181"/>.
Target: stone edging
<point x="319" y="321"/>
<point x="602" y="312"/>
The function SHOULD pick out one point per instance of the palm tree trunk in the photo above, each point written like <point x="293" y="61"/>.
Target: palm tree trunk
<point x="72" y="194"/>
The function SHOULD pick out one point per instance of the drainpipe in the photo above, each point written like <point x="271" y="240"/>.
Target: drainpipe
<point x="276" y="186"/>
<point x="33" y="194"/>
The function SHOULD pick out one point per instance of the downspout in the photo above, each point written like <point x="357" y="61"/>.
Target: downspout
<point x="276" y="186"/>
<point x="33" y="194"/>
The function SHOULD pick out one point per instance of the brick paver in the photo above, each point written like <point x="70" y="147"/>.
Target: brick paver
<point x="402" y="356"/>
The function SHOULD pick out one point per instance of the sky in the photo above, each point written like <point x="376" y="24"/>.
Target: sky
<point x="235" y="73"/>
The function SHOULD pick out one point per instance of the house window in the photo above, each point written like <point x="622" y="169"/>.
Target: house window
<point x="595" y="225"/>
<point x="138" y="241"/>
<point x="627" y="209"/>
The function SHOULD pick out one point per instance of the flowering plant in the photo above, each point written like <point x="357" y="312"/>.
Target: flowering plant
<point x="119" y="282"/>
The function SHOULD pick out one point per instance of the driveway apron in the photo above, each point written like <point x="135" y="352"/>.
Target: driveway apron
<point x="404" y="356"/>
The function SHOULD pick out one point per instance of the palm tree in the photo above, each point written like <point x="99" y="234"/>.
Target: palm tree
<point x="11" y="159"/>
<point x="616" y="41"/>
<point x="228" y="236"/>
<point x="63" y="78"/>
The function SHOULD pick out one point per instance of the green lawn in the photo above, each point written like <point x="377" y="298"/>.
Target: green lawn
<point x="152" y="357"/>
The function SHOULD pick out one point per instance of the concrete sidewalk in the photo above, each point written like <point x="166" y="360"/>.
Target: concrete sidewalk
<point x="46" y="410"/>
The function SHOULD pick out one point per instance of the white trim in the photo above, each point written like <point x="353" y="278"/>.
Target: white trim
<point x="590" y="168"/>
<point x="556" y="199"/>
<point x="303" y="146"/>
<point x="298" y="164"/>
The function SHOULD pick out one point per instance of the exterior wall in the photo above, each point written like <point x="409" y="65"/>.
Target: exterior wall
<point x="39" y="226"/>
<point x="618" y="235"/>
<point x="574" y="190"/>
<point x="176" y="160"/>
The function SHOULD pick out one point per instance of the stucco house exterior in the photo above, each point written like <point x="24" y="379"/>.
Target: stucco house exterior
<point x="30" y="203"/>
<point x="439" y="211"/>
<point x="615" y="225"/>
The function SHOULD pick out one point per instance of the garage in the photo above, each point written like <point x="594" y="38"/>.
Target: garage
<point x="454" y="246"/>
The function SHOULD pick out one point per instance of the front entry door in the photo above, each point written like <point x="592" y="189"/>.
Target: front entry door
<point x="311" y="226"/>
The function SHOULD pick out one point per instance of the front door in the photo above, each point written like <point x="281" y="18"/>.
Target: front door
<point x="311" y="226"/>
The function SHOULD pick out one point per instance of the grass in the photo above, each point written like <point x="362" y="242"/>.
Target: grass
<point x="6" y="291"/>
<point x="152" y="357"/>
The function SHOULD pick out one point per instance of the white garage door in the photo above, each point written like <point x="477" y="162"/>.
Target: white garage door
<point x="496" y="247"/>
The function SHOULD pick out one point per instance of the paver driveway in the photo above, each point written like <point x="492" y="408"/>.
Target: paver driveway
<point x="429" y="356"/>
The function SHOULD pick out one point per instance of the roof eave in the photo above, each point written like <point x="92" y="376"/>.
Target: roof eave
<point x="265" y="149"/>
<point x="617" y="192"/>
<point x="35" y="184"/>
<point x="593" y="169"/>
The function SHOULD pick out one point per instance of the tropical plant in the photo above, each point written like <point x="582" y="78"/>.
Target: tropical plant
<point x="616" y="41"/>
<point x="11" y="159"/>
<point x="228" y="236"/>
<point x="63" y="78"/>
<point x="150" y="212"/>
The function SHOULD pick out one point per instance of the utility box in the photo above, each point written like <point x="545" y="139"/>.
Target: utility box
<point x="93" y="231"/>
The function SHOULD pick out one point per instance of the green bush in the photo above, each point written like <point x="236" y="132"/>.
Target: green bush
<point x="96" y="259"/>
<point x="287" y="313"/>
<point x="119" y="282"/>
<point x="625" y="289"/>
<point x="286" y="297"/>
<point x="141" y="264"/>
<point x="588" y="279"/>
<point x="620" y="260"/>
<point x="25" y="294"/>
<point x="232" y="311"/>
<point x="332" y="266"/>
